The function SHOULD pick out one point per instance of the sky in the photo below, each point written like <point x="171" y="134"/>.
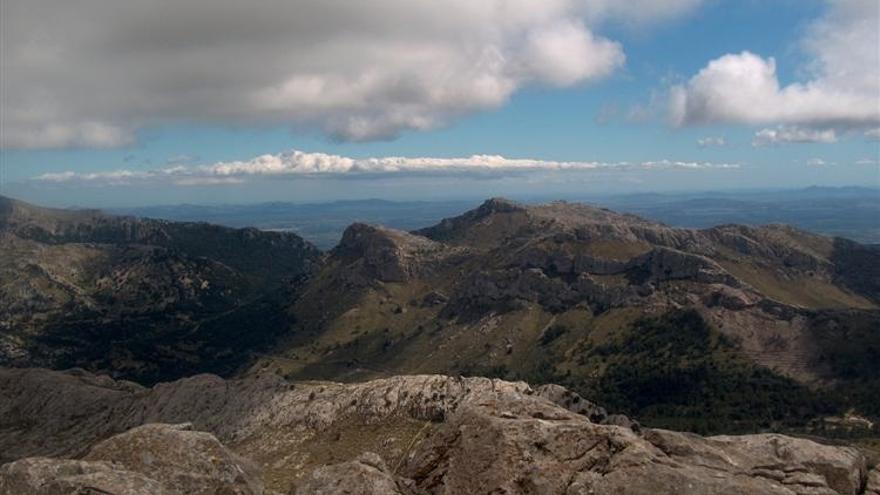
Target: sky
<point x="108" y="103"/>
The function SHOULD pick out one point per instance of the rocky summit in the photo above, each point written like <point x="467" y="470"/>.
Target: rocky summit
<point x="75" y="432"/>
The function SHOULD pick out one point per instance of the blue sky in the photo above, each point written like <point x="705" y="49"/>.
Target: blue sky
<point x="617" y="116"/>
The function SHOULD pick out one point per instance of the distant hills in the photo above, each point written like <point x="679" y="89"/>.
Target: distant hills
<point x="849" y="212"/>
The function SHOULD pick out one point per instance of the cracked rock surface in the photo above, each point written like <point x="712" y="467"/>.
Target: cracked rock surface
<point x="70" y="432"/>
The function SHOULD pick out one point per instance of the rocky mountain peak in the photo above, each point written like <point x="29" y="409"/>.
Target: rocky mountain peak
<point x="385" y="254"/>
<point x="500" y="205"/>
<point x="360" y="238"/>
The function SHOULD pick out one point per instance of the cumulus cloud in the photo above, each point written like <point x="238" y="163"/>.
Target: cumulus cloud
<point x="302" y="164"/>
<point x="94" y="72"/>
<point x="788" y="135"/>
<point x="709" y="142"/>
<point x="873" y="134"/>
<point x="817" y="162"/>
<point x="843" y="88"/>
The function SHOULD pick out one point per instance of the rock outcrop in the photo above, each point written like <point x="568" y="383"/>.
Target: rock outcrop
<point x="401" y="435"/>
<point x="44" y="476"/>
<point x="187" y="461"/>
<point x="368" y="474"/>
<point x="873" y="485"/>
<point x="386" y="254"/>
<point x="154" y="459"/>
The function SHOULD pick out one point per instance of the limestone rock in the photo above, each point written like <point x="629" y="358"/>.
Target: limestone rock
<point x="524" y="447"/>
<point x="385" y="254"/>
<point x="873" y="485"/>
<point x="431" y="434"/>
<point x="366" y="475"/>
<point x="154" y="459"/>
<point x="192" y="462"/>
<point x="564" y="397"/>
<point x="44" y="476"/>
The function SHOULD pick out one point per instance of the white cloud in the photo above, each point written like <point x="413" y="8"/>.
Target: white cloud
<point x="873" y="134"/>
<point x="843" y="90"/>
<point x="206" y="181"/>
<point x="708" y="142"/>
<point x="58" y="176"/>
<point x="565" y="54"/>
<point x="94" y="72"/>
<point x="817" y="162"/>
<point x="868" y="161"/>
<point x="112" y="177"/>
<point x="788" y="135"/>
<point x="298" y="163"/>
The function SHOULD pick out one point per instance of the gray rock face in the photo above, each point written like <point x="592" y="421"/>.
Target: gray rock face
<point x="154" y="459"/>
<point x="386" y="255"/>
<point x="189" y="461"/>
<point x="873" y="485"/>
<point x="533" y="447"/>
<point x="564" y="397"/>
<point x="503" y="288"/>
<point x="428" y="434"/>
<point x="43" y="476"/>
<point x="366" y="475"/>
<point x="670" y="264"/>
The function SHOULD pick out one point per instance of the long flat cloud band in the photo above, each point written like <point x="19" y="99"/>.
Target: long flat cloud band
<point x="303" y="164"/>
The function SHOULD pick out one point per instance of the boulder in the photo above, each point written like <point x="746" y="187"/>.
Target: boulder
<point x="366" y="475"/>
<point x="154" y="459"/>
<point x="44" y="476"/>
<point x="193" y="462"/>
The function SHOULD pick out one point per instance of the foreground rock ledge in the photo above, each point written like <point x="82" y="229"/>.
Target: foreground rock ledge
<point x="73" y="432"/>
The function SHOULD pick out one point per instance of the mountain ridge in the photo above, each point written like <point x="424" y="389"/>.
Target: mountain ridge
<point x="143" y="298"/>
<point x="499" y="280"/>
<point x="559" y="292"/>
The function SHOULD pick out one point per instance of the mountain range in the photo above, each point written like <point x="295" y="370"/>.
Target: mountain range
<point x="849" y="212"/>
<point x="726" y="329"/>
<point x="729" y="328"/>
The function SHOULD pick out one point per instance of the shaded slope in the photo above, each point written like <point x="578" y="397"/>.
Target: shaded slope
<point x="145" y="299"/>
